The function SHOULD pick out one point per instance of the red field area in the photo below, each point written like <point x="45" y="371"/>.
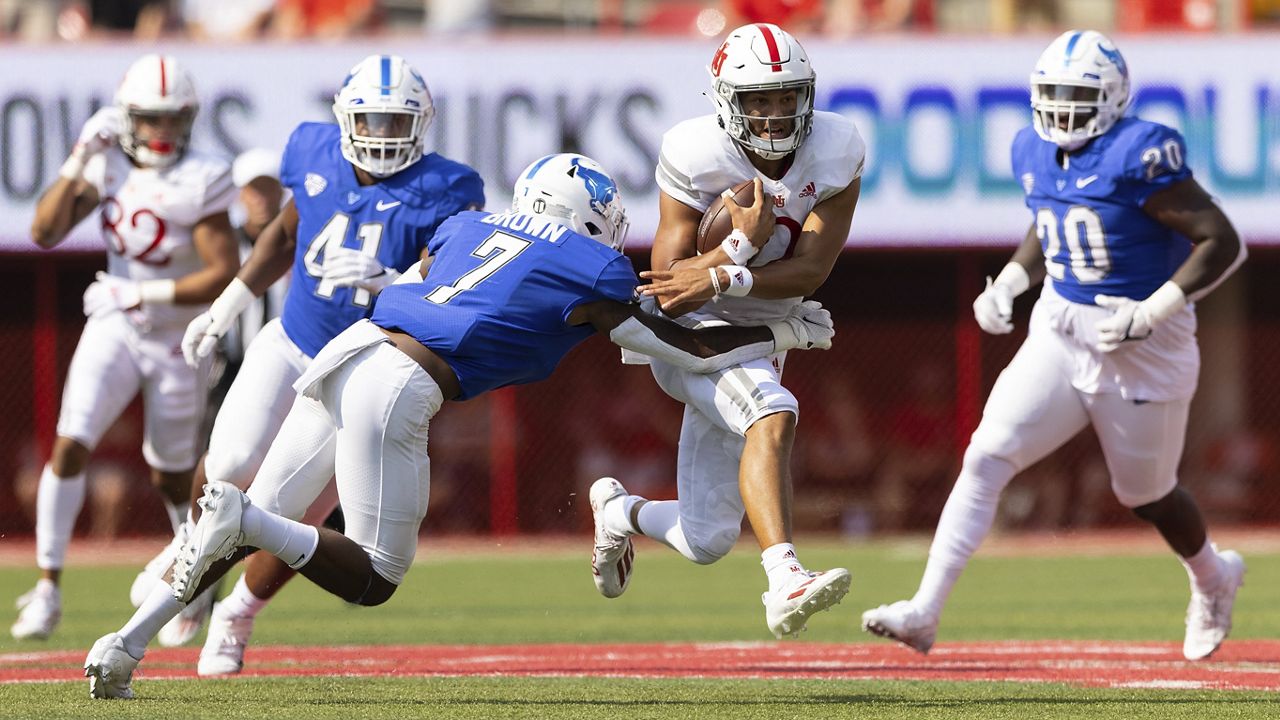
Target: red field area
<point x="1253" y="665"/>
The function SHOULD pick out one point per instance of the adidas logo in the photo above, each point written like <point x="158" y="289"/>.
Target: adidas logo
<point x="809" y="190"/>
<point x="314" y="184"/>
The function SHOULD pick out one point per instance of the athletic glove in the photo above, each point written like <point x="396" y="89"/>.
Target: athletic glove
<point x="109" y="293"/>
<point x="205" y="329"/>
<point x="1134" y="320"/>
<point x="99" y="132"/>
<point x="807" y="327"/>
<point x="993" y="309"/>
<point x="344" y="267"/>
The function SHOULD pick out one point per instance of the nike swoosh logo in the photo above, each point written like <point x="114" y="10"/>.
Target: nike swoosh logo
<point x="1080" y="182"/>
<point x="388" y="205"/>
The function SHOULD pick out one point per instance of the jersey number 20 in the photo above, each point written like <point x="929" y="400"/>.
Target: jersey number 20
<point x="1082" y="228"/>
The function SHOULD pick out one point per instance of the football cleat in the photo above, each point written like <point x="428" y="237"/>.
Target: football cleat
<point x="215" y="536"/>
<point x="110" y="669"/>
<point x="1209" y="614"/>
<point x="613" y="557"/>
<point x="157" y="566"/>
<point x="223" y="651"/>
<point x="40" y="610"/>
<point x="901" y="621"/>
<point x="787" y="609"/>
<point x="186" y="624"/>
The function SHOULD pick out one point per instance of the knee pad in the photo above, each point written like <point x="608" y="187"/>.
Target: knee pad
<point x="989" y="472"/>
<point x="707" y="548"/>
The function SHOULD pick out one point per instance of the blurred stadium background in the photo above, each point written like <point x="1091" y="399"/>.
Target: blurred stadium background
<point x="938" y="88"/>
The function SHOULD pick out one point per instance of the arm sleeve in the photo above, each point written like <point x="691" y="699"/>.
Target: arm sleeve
<point x="1155" y="160"/>
<point x="290" y="173"/>
<point x="675" y="177"/>
<point x="854" y="158"/>
<point x="617" y="281"/>
<point x="634" y="335"/>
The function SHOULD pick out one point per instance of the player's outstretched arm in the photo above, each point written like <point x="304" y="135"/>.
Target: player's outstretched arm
<point x="706" y="349"/>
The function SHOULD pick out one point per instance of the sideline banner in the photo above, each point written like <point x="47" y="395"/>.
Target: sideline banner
<point x="937" y="113"/>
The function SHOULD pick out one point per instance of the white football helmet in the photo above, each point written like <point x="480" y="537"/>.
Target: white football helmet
<point x="573" y="190"/>
<point x="156" y="85"/>
<point x="762" y="57"/>
<point x="1079" y="89"/>
<point x="383" y="110"/>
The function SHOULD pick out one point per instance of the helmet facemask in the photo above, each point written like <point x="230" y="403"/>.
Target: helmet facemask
<point x="383" y="110"/>
<point x="744" y="127"/>
<point x="156" y="148"/>
<point x="1079" y="90"/>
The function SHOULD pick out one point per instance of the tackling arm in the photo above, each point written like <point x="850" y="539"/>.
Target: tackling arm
<point x="705" y="349"/>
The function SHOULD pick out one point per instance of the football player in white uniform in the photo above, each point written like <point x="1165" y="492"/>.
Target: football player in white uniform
<point x="170" y="251"/>
<point x="1112" y="338"/>
<point x="735" y="442"/>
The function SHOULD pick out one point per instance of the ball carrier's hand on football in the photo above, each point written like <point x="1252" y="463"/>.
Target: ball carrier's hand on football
<point x="683" y="289"/>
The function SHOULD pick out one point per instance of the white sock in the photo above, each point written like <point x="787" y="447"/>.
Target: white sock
<point x="780" y="563"/>
<point x="176" y="513"/>
<point x="617" y="515"/>
<point x="291" y="541"/>
<point x="58" y="502"/>
<point x="1205" y="568"/>
<point x="660" y="520"/>
<point x="242" y="602"/>
<point x="966" y="520"/>
<point x="159" y="608"/>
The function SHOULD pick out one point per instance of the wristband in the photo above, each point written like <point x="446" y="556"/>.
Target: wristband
<point x="1014" y="277"/>
<point x="715" y="280"/>
<point x="1164" y="302"/>
<point x="738" y="247"/>
<point x="233" y="300"/>
<point x="73" y="167"/>
<point x="156" y="292"/>
<point x="740" y="280"/>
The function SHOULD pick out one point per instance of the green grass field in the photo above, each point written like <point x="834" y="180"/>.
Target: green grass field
<point x="547" y="596"/>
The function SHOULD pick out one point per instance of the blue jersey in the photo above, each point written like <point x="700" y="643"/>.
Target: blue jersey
<point x="391" y="220"/>
<point x="1096" y="238"/>
<point x="497" y="298"/>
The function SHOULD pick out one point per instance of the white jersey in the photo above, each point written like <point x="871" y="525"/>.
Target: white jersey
<point x="147" y="215"/>
<point x="699" y="161"/>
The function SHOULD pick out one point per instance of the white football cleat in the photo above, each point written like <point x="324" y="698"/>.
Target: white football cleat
<point x="186" y="624"/>
<point x="788" y="609"/>
<point x="613" y="557"/>
<point x="215" y="536"/>
<point x="223" y="651"/>
<point x="903" y="622"/>
<point x="1209" y="614"/>
<point x="157" y="566"/>
<point x="40" y="610"/>
<point x="110" y="669"/>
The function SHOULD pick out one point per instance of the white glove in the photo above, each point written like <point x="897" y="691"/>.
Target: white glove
<point x="109" y="293"/>
<point x="205" y="329"/>
<point x="344" y="267"/>
<point x="1133" y="320"/>
<point x="993" y="309"/>
<point x="1129" y="320"/>
<point x="807" y="327"/>
<point x="99" y="132"/>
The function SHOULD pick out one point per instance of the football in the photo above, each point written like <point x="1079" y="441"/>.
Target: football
<point x="716" y="221"/>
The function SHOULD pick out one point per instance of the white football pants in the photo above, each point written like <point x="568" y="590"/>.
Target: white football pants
<point x="719" y="409"/>
<point x="363" y="418"/>
<point x="112" y="362"/>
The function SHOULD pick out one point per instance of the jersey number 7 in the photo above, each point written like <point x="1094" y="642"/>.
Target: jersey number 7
<point x="497" y="250"/>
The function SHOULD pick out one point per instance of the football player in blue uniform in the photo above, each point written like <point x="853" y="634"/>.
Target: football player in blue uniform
<point x="366" y="199"/>
<point x="1126" y="242"/>
<point x="500" y="299"/>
